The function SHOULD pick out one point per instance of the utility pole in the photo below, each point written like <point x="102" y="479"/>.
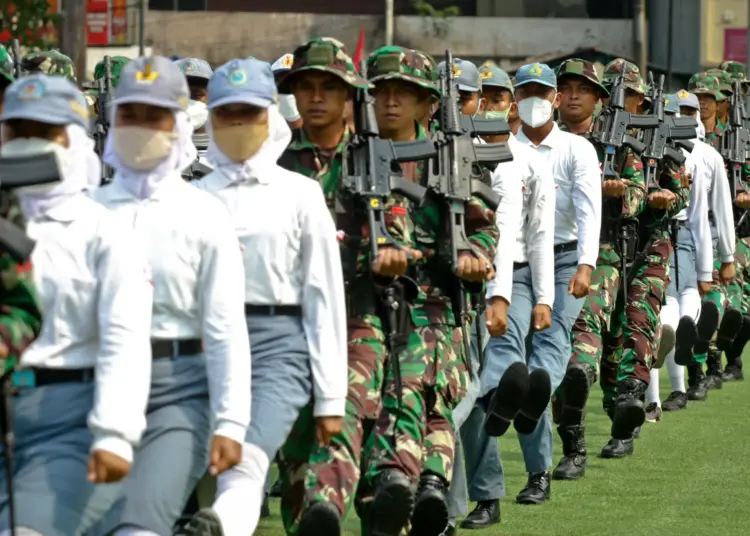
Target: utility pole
<point x="669" y="44"/>
<point x="640" y="38"/>
<point x="389" y="22"/>
<point x="142" y="29"/>
<point x="73" y="34"/>
<point x="747" y="36"/>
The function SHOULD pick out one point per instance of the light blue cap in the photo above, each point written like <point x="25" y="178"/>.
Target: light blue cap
<point x="47" y="99"/>
<point x="247" y="81"/>
<point x="687" y="99"/>
<point x="465" y="74"/>
<point x="494" y="76"/>
<point x="670" y="104"/>
<point x="195" y="68"/>
<point x="537" y="73"/>
<point x="283" y="64"/>
<point x="155" y="81"/>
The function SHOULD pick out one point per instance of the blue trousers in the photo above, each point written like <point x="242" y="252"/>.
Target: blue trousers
<point x="685" y="269"/>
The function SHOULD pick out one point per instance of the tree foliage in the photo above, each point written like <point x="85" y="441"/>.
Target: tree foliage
<point x="29" y="21"/>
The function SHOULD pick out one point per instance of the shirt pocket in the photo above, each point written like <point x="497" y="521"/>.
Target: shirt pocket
<point x="70" y="307"/>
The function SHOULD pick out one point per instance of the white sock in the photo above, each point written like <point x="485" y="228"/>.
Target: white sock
<point x="131" y="530"/>
<point x="676" y="374"/>
<point x="690" y="303"/>
<point x="240" y="493"/>
<point x="653" y="388"/>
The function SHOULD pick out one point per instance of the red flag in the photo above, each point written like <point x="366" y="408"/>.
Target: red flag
<point x="360" y="48"/>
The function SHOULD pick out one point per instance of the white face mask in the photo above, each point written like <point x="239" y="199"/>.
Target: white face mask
<point x="36" y="146"/>
<point x="288" y="108"/>
<point x="198" y="112"/>
<point x="142" y="149"/>
<point x="535" y="111"/>
<point x="701" y="131"/>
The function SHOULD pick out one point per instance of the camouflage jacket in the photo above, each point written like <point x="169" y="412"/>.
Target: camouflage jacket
<point x="714" y="137"/>
<point x="654" y="222"/>
<point x="20" y="317"/>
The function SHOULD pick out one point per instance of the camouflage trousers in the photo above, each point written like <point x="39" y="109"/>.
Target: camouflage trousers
<point x="744" y="246"/>
<point x="719" y="296"/>
<point x="736" y="287"/>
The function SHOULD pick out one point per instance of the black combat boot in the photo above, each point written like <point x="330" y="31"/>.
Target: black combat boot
<point x="574" y="461"/>
<point x="697" y="383"/>
<point x="733" y="371"/>
<point x="320" y="519"/>
<point x="687" y="336"/>
<point x="676" y="401"/>
<point x="430" y="517"/>
<point x="203" y="523"/>
<point x="713" y="369"/>
<point x="391" y="505"/>
<point x="619" y="448"/>
<point x="630" y="411"/>
<point x="538" y="489"/>
<point x="575" y="392"/>
<point x="730" y="326"/>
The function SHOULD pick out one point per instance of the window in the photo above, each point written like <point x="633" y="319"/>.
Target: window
<point x="177" y="5"/>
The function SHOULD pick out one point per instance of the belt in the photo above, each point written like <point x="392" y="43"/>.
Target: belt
<point x="38" y="377"/>
<point x="273" y="310"/>
<point x="520" y="265"/>
<point x="566" y="247"/>
<point x="168" y="348"/>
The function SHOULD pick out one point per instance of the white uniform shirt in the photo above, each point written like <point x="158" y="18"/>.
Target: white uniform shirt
<point x="720" y="200"/>
<point x="292" y="257"/>
<point x="198" y="280"/>
<point x="701" y="165"/>
<point x="95" y="292"/>
<point x="528" y="211"/>
<point x="578" y="179"/>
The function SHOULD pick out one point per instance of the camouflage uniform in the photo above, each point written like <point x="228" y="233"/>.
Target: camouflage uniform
<point x="6" y="70"/>
<point x="52" y="62"/>
<point x="706" y="84"/>
<point x="116" y="65"/>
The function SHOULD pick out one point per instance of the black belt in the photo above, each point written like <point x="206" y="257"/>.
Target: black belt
<point x="273" y="310"/>
<point x="566" y="247"/>
<point x="520" y="265"/>
<point x="39" y="377"/>
<point x="164" y="348"/>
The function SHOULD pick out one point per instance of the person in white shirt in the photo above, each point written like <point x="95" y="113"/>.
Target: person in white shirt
<point x="83" y="384"/>
<point x="294" y="289"/>
<point x="200" y="386"/>
<point x="510" y="392"/>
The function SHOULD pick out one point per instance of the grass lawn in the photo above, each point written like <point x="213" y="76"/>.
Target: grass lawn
<point x="689" y="476"/>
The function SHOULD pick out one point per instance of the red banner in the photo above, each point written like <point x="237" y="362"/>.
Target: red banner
<point x="97" y="22"/>
<point x="735" y="44"/>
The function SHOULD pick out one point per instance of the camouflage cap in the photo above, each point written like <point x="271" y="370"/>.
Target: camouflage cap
<point x="631" y="75"/>
<point x="116" y="63"/>
<point x="725" y="80"/>
<point x="6" y="65"/>
<point x="323" y="54"/>
<point x="52" y="62"/>
<point x="705" y="84"/>
<point x="581" y="68"/>
<point x="399" y="63"/>
<point x="735" y="69"/>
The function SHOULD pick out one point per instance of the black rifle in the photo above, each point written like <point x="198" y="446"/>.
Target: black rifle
<point x="17" y="172"/>
<point x="15" y="49"/>
<point x="197" y="169"/>
<point x="101" y="126"/>
<point x="735" y="149"/>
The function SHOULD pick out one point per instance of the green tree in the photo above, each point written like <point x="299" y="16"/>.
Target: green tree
<point x="29" y="21"/>
<point x="440" y="18"/>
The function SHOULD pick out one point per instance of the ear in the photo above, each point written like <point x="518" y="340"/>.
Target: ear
<point x="482" y="105"/>
<point x="557" y="101"/>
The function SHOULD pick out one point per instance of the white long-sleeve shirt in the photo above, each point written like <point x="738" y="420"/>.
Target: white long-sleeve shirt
<point x="528" y="213"/>
<point x="578" y="204"/>
<point x="292" y="257"/>
<point x="700" y="164"/>
<point x="95" y="293"/>
<point x="198" y="278"/>
<point x="720" y="202"/>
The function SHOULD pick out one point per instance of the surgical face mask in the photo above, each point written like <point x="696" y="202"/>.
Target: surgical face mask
<point x="288" y="108"/>
<point x="198" y="112"/>
<point x="36" y="146"/>
<point x="142" y="149"/>
<point x="497" y="114"/>
<point x="240" y="143"/>
<point x="535" y="111"/>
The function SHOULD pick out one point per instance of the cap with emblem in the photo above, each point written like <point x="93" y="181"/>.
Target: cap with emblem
<point x="705" y="84"/>
<point x="52" y="62"/>
<point x="465" y="74"/>
<point x="6" y="67"/>
<point x="324" y="54"/>
<point x="116" y="63"/>
<point x="156" y="81"/>
<point x="283" y="64"/>
<point x="582" y="69"/>
<point x="630" y="73"/>
<point x="195" y="68"/>
<point x="670" y="104"/>
<point x="47" y="99"/>
<point x="536" y="73"/>
<point x="494" y="76"/>
<point x="685" y="98"/>
<point x="724" y="78"/>
<point x="248" y="81"/>
<point x="398" y="63"/>
<point x="735" y="69"/>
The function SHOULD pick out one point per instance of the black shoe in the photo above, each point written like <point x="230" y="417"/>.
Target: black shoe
<point x="507" y="399"/>
<point x="630" y="412"/>
<point x="204" y="523"/>
<point x="697" y="384"/>
<point x="618" y="448"/>
<point x="732" y="373"/>
<point x="733" y="370"/>
<point x="538" y="489"/>
<point x="321" y="519"/>
<point x="485" y="514"/>
<point x="666" y="345"/>
<point x="676" y="401"/>
<point x="573" y="464"/>
<point x="391" y="505"/>
<point x="730" y="327"/>
<point x="575" y="389"/>
<point x="265" y="509"/>
<point x="275" y="490"/>
<point x="430" y="517"/>
<point x="713" y="370"/>
<point x="540" y="391"/>
<point x="687" y="336"/>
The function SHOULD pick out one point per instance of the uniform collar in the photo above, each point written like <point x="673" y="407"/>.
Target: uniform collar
<point x="550" y="141"/>
<point x="69" y="210"/>
<point x="116" y="191"/>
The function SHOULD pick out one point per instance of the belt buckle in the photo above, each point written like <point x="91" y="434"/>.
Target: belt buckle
<point x="24" y="378"/>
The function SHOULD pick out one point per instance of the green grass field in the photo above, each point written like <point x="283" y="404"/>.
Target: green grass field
<point x="689" y="476"/>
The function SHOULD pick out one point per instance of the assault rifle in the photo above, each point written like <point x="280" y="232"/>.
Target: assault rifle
<point x="735" y="149"/>
<point x="197" y="169"/>
<point x="102" y="124"/>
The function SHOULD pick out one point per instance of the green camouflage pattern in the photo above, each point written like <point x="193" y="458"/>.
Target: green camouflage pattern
<point x="631" y="75"/>
<point x="6" y="65"/>
<point x="705" y="84"/>
<point x="51" y="62"/>
<point x="116" y="63"/>
<point x="581" y="68"/>
<point x="725" y="80"/>
<point x="735" y="69"/>
<point x="743" y="248"/>
<point x="399" y="63"/>
<point x="323" y="54"/>
<point x="713" y="138"/>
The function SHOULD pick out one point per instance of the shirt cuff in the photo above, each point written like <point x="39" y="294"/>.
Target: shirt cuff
<point x="546" y="301"/>
<point x="114" y="444"/>
<point x="727" y="259"/>
<point x="589" y="260"/>
<point x="329" y="407"/>
<point x="231" y="430"/>
<point x="500" y="291"/>
<point x="705" y="277"/>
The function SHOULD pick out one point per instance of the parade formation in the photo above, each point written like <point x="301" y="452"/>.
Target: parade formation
<point x="364" y="274"/>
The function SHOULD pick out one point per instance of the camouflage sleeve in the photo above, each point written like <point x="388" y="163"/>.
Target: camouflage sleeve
<point x="20" y="318"/>
<point x="480" y="228"/>
<point x="672" y="179"/>
<point x="634" y="201"/>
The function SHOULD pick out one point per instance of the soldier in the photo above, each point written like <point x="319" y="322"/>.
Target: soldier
<point x="51" y="62"/>
<point x="83" y="385"/>
<point x="725" y="86"/>
<point x="287" y="104"/>
<point x="199" y="402"/>
<point x="427" y="110"/>
<point x="6" y="73"/>
<point x="737" y="71"/>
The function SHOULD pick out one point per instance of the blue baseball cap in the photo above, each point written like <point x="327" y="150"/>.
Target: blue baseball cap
<point x="537" y="73"/>
<point x="687" y="99"/>
<point x="670" y="104"/>
<point x="156" y="81"/>
<point x="53" y="100"/>
<point x="465" y="73"/>
<point x="249" y="81"/>
<point x="195" y="68"/>
<point x="494" y="76"/>
<point x="283" y="64"/>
